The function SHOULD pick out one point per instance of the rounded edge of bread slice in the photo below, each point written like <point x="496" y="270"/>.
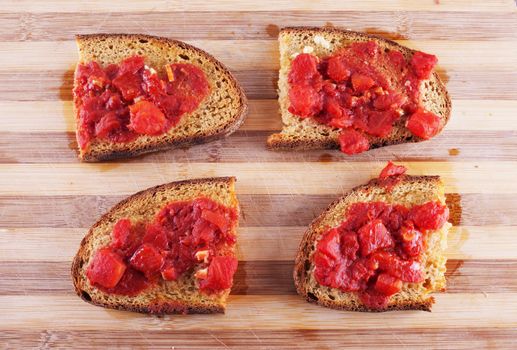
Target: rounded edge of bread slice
<point x="413" y="190"/>
<point x="307" y="134"/>
<point x="220" y="114"/>
<point x="166" y="297"/>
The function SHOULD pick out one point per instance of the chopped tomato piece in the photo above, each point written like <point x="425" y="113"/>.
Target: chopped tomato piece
<point x="125" y="237"/>
<point x="389" y="101"/>
<point x="397" y="59"/>
<point x="392" y="170"/>
<point x="429" y="216"/>
<point x="129" y="85"/>
<point x="365" y="49"/>
<point x="131" y="65"/>
<point x="156" y="236"/>
<point x="106" y="268"/>
<point x="361" y="82"/>
<point x="189" y="85"/>
<point x="374" y="300"/>
<point x="216" y="218"/>
<point x="387" y="284"/>
<point x="411" y="271"/>
<point x="107" y="124"/>
<point x="349" y="245"/>
<point x="352" y="142"/>
<point x="220" y="273"/>
<point x="329" y="248"/>
<point x="423" y="124"/>
<point x="337" y="70"/>
<point x="380" y="123"/>
<point x="423" y="64"/>
<point x="411" y="239"/>
<point x="170" y="274"/>
<point x="147" y="259"/>
<point x="305" y="101"/>
<point x="304" y="70"/>
<point x="374" y="236"/>
<point x="147" y="119"/>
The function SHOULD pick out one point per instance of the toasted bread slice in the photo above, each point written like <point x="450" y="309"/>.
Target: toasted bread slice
<point x="307" y="134"/>
<point x="180" y="296"/>
<point x="413" y="190"/>
<point x="219" y="114"/>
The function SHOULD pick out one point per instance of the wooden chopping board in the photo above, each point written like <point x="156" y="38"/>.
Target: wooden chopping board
<point x="48" y="199"/>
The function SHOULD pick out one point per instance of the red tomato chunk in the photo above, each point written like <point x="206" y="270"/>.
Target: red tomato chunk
<point x="120" y="102"/>
<point x="168" y="247"/>
<point x="348" y="91"/>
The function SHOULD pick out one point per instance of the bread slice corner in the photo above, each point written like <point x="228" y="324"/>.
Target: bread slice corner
<point x="167" y="297"/>
<point x="413" y="190"/>
<point x="219" y="115"/>
<point x="307" y="134"/>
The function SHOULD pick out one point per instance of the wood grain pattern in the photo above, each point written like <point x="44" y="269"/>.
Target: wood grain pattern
<point x="48" y="199"/>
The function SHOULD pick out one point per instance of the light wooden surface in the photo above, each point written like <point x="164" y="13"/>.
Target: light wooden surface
<point x="48" y="199"/>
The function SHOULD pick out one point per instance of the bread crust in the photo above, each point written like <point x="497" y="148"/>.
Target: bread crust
<point x="132" y="148"/>
<point x="158" y="306"/>
<point x="300" y="272"/>
<point x="282" y="141"/>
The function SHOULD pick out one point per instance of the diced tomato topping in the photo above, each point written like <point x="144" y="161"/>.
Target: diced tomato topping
<point x="147" y="119"/>
<point x="147" y="259"/>
<point x="429" y="216"/>
<point x="392" y="170"/>
<point x="380" y="123"/>
<point x="374" y="300"/>
<point x="349" y="245"/>
<point x="423" y="64"/>
<point x="411" y="271"/>
<point x="423" y="124"/>
<point x="129" y="85"/>
<point x="329" y="248"/>
<point x="305" y="101"/>
<point x="121" y="88"/>
<point x="361" y="82"/>
<point x="181" y="236"/>
<point x="337" y="69"/>
<point x="190" y="86"/>
<point x="106" y="268"/>
<point x="389" y="244"/>
<point x="360" y="87"/>
<point x="365" y="49"/>
<point x="216" y="218"/>
<point x="125" y="237"/>
<point x="374" y="236"/>
<point x="170" y="274"/>
<point x="411" y="240"/>
<point x="352" y="142"/>
<point x="131" y="65"/>
<point x="390" y="101"/>
<point x="387" y="284"/>
<point x="155" y="235"/>
<point x="107" y="124"/>
<point x="220" y="273"/>
<point x="304" y="70"/>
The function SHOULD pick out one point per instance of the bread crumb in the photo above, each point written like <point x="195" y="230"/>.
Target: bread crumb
<point x="308" y="49"/>
<point x="319" y="40"/>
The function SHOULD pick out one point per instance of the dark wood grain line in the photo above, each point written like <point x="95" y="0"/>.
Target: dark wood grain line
<point x="258" y="84"/>
<point x="385" y="338"/>
<point x="258" y="277"/>
<point x="453" y="145"/>
<point x="414" y="25"/>
<point x="275" y="210"/>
